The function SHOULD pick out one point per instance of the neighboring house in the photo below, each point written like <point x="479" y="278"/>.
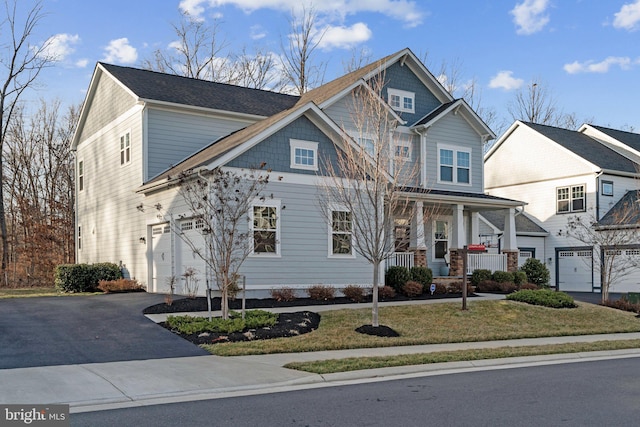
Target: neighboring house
<point x="139" y="129"/>
<point x="560" y="174"/>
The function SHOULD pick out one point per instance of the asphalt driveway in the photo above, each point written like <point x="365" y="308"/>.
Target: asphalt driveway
<point x="71" y="330"/>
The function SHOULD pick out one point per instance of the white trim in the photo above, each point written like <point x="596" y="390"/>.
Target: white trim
<point x="81" y="174"/>
<point x="274" y="203"/>
<point x="312" y="146"/>
<point x="352" y="255"/>
<point x="403" y="95"/>
<point x="108" y="128"/>
<point x="126" y="151"/>
<point x="454" y="166"/>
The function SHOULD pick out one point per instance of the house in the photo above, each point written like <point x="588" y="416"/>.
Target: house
<point x="590" y="173"/>
<point x="140" y="129"/>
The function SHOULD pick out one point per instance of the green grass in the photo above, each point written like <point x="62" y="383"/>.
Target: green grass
<point x="37" y="292"/>
<point x="443" y="323"/>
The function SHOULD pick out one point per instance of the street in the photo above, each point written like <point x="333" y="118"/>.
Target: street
<point x="572" y="394"/>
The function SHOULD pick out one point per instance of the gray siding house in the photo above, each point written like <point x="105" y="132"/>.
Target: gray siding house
<point x="140" y="129"/>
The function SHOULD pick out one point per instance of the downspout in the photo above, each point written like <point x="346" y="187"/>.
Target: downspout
<point x="597" y="195"/>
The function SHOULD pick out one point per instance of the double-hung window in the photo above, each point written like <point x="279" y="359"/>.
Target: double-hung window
<point x="571" y="199"/>
<point x="125" y="149"/>
<point x="265" y="224"/>
<point x="454" y="165"/>
<point x="401" y="100"/>
<point x="440" y="239"/>
<point x="304" y="154"/>
<point x="80" y="175"/>
<point x="341" y="233"/>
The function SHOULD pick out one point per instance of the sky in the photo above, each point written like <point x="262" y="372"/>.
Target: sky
<point x="585" y="52"/>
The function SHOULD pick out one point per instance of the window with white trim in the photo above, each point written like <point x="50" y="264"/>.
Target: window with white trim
<point x="125" y="149"/>
<point x="571" y="199"/>
<point x="186" y="225"/>
<point x="440" y="239"/>
<point x="454" y="165"/>
<point x="401" y="100"/>
<point x="607" y="188"/>
<point x="265" y="228"/>
<point x="81" y="175"/>
<point x="341" y="233"/>
<point x="79" y="237"/>
<point x="304" y="154"/>
<point x="403" y="149"/>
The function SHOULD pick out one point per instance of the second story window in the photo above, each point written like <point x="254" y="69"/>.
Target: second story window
<point x="454" y="166"/>
<point x="401" y="100"/>
<point x="125" y="149"/>
<point x="571" y="199"/>
<point x="304" y="154"/>
<point x="80" y="175"/>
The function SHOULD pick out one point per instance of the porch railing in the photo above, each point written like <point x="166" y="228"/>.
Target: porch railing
<point x="403" y="259"/>
<point x="493" y="262"/>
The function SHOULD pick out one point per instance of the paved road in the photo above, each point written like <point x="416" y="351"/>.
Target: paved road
<point x="51" y="331"/>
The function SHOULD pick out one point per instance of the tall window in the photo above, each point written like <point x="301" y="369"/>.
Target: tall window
<point x="402" y="231"/>
<point x="571" y="199"/>
<point x="80" y="175"/>
<point x="440" y="239"/>
<point x="125" y="149"/>
<point x="304" y="154"/>
<point x="79" y="237"/>
<point x="401" y="100"/>
<point x="341" y="233"/>
<point x="265" y="229"/>
<point x="454" y="166"/>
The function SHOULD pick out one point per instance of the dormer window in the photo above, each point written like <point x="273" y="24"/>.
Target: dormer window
<point x="304" y="154"/>
<point x="401" y="100"/>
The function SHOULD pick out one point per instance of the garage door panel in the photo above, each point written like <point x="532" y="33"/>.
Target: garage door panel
<point x="161" y="258"/>
<point x="574" y="271"/>
<point x="629" y="279"/>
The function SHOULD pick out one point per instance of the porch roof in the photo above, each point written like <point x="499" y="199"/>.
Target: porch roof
<point x="478" y="201"/>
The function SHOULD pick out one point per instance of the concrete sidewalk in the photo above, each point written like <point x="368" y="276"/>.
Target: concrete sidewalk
<point x="101" y="386"/>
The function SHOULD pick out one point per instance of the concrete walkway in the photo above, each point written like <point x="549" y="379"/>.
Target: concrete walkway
<point x="100" y="386"/>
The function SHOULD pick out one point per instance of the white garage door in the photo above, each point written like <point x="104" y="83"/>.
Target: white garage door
<point x="190" y="267"/>
<point x="574" y="271"/>
<point x="161" y="266"/>
<point x="627" y="268"/>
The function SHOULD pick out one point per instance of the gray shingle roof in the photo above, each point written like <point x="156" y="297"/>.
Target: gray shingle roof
<point x="629" y="138"/>
<point x="586" y="147"/>
<point x="434" y="113"/>
<point x="625" y="212"/>
<point x="156" y="86"/>
<point x="524" y="224"/>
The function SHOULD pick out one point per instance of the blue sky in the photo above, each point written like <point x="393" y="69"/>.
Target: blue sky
<point x="586" y="52"/>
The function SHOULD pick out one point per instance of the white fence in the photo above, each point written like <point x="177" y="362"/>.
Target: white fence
<point x="493" y="262"/>
<point x="403" y="259"/>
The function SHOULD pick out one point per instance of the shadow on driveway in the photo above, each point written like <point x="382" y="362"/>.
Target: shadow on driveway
<point x="72" y="330"/>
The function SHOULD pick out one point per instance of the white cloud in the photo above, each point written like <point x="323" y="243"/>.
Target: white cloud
<point x="82" y="63"/>
<point x="344" y="37"/>
<point x="120" y="51"/>
<point x="257" y="32"/>
<point x="598" y="67"/>
<point x="629" y="17"/>
<point x="529" y="16"/>
<point x="407" y="11"/>
<point x="60" y="46"/>
<point x="505" y="80"/>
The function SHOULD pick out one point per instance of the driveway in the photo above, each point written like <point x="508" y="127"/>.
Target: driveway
<point x="84" y="329"/>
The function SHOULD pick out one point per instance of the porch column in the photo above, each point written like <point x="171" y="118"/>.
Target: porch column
<point x="419" y="245"/>
<point x="457" y="241"/>
<point x="509" y="243"/>
<point x="475" y="228"/>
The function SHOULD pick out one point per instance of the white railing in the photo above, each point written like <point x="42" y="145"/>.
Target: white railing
<point x="493" y="262"/>
<point x="403" y="259"/>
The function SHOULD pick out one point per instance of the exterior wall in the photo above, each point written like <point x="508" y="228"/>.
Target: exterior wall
<point x="621" y="185"/>
<point x="174" y="136"/>
<point x="108" y="102"/>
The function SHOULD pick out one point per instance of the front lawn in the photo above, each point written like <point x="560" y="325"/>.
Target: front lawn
<point x="443" y="323"/>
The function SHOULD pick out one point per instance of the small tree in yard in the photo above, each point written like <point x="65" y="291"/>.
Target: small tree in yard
<point x="618" y="230"/>
<point x="363" y="189"/>
<point x="221" y="200"/>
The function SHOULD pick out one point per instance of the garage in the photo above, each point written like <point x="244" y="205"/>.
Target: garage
<point x="161" y="258"/>
<point x="575" y="270"/>
<point x="626" y="270"/>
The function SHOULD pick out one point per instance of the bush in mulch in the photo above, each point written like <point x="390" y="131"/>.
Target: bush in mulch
<point x="623" y="304"/>
<point x="378" y="331"/>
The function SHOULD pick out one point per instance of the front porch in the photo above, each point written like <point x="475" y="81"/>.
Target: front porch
<point x="476" y="261"/>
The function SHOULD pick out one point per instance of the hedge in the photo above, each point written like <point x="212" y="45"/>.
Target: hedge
<point x="84" y="277"/>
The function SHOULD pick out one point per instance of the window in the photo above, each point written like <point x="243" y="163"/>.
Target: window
<point x="80" y="175"/>
<point x="402" y="231"/>
<point x="341" y="233"/>
<point x="403" y="149"/>
<point x="186" y="225"/>
<point x="454" y="166"/>
<point x="607" y="188"/>
<point x="199" y="224"/>
<point x="265" y="226"/>
<point x="571" y="199"/>
<point x="79" y="237"/>
<point x="125" y="149"/>
<point x="401" y="100"/>
<point x="440" y="239"/>
<point x="304" y="154"/>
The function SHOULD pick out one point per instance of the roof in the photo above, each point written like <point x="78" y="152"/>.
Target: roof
<point x="586" y="147"/>
<point x="435" y="113"/>
<point x="628" y="138"/>
<point x="625" y="212"/>
<point x="524" y="224"/>
<point x="155" y="86"/>
<point x="479" y="198"/>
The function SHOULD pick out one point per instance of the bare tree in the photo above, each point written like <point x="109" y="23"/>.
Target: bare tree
<point x="300" y="71"/>
<point x="535" y="104"/>
<point x="363" y="192"/>
<point x="616" y="232"/>
<point x="257" y="70"/>
<point x="358" y="59"/>
<point x="221" y="200"/>
<point x="22" y="63"/>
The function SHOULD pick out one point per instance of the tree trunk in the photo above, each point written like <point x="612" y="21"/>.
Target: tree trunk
<point x="3" y="229"/>
<point x="374" y="307"/>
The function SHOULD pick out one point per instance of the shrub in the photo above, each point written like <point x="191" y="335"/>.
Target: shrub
<point x="519" y="278"/>
<point x="396" y="277"/>
<point x="194" y="325"/>
<point x="422" y="275"/>
<point x="528" y="286"/>
<point x="84" y="277"/>
<point x="321" y="292"/>
<point x="537" y="273"/>
<point x="624" y="304"/>
<point x="544" y="297"/>
<point x="412" y="289"/>
<point x="480" y="275"/>
<point x="283" y="294"/>
<point x="106" y="271"/>
<point x="386" y="292"/>
<point x="488" y="286"/>
<point x="354" y="293"/>
<point x="120" y="285"/>
<point x="502" y="276"/>
<point x="441" y="289"/>
<point x="454" y="288"/>
<point x="507" y="287"/>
